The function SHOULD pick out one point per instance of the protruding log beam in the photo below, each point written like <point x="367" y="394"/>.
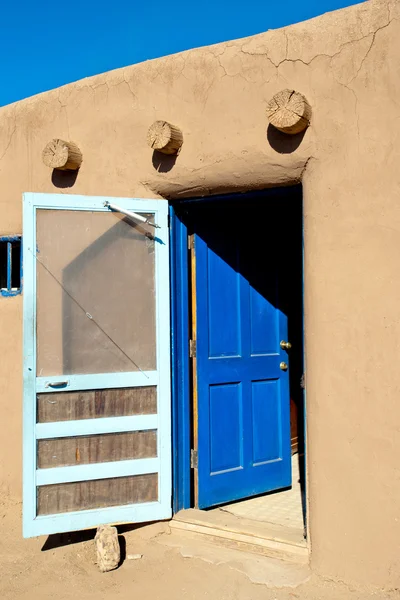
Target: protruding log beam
<point x="289" y="112"/>
<point x="164" y="137"/>
<point x="62" y="155"/>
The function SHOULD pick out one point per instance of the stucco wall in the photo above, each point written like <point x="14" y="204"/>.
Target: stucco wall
<point x="347" y="65"/>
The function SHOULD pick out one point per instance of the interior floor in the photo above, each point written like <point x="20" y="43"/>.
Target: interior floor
<point x="284" y="508"/>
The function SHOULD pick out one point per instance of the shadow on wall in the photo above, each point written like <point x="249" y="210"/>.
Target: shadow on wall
<point x="282" y="142"/>
<point x="63" y="179"/>
<point x="163" y="162"/>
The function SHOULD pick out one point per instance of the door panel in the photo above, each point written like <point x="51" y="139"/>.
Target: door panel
<point x="264" y="329"/>
<point x="96" y="494"/>
<point x="224" y="332"/>
<point x="266" y="409"/>
<point x="97" y="438"/>
<point x="96" y="404"/>
<point x="226" y="448"/>
<point x="89" y="449"/>
<point x="243" y="433"/>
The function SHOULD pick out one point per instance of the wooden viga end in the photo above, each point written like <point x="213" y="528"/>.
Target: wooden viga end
<point x="289" y="111"/>
<point x="62" y="155"/>
<point x="164" y="137"/>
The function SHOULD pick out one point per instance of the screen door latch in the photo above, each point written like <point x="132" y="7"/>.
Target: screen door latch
<point x="57" y="384"/>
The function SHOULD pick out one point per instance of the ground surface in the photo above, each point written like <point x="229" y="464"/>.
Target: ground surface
<point x="63" y="567"/>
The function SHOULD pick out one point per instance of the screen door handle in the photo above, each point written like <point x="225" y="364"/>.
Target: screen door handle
<point x="56" y="384"/>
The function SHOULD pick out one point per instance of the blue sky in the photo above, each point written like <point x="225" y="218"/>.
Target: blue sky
<point x="46" y="44"/>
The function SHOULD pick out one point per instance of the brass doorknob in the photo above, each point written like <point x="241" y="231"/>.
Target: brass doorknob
<point x="283" y="366"/>
<point x="285" y="345"/>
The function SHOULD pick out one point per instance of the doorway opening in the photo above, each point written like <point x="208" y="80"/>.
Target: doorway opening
<point x="244" y="414"/>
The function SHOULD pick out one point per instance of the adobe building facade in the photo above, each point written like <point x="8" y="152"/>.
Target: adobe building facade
<point x="346" y="64"/>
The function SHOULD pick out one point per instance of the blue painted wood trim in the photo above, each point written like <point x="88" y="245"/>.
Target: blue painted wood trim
<point x="96" y="426"/>
<point x="121" y="468"/>
<point x="181" y="420"/>
<point x="98" y="381"/>
<point x="33" y="525"/>
<point x="10" y="238"/>
<point x="29" y="366"/>
<point x="78" y="202"/>
<point x="163" y="330"/>
<point x="87" y="519"/>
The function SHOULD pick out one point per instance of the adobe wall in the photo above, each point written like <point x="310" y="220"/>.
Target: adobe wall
<point x="347" y="65"/>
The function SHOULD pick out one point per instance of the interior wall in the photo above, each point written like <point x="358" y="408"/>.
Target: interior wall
<point x="346" y="64"/>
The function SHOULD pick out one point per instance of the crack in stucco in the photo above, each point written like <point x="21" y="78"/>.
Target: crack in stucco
<point x="350" y="89"/>
<point x="123" y="81"/>
<point x="93" y="88"/>
<point x="304" y="168"/>
<point x="129" y="86"/>
<point x="368" y="51"/>
<point x="181" y="74"/>
<point x="239" y="73"/>
<point x="66" y="118"/>
<point x="226" y="74"/>
<point x="10" y="139"/>
<point x="329" y="56"/>
<point x="64" y="106"/>
<point x="355" y="108"/>
<point x="287" y="44"/>
<point x="215" y="162"/>
<point x="207" y="93"/>
<point x="99" y="85"/>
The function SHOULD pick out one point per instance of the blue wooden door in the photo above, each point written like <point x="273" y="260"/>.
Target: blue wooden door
<point x="97" y="442"/>
<point x="241" y="383"/>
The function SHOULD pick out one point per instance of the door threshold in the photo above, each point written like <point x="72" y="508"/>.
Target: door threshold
<point x="228" y="530"/>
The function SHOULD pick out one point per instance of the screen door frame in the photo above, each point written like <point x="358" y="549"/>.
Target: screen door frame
<point x="32" y="477"/>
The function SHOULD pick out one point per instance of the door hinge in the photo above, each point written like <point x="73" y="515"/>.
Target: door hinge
<point x="192" y="348"/>
<point x="194" y="463"/>
<point x="190" y="242"/>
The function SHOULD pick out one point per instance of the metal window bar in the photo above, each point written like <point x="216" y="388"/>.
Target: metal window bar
<point x="9" y="265"/>
<point x="9" y="290"/>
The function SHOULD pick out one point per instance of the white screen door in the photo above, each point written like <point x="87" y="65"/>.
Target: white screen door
<point x="97" y="440"/>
